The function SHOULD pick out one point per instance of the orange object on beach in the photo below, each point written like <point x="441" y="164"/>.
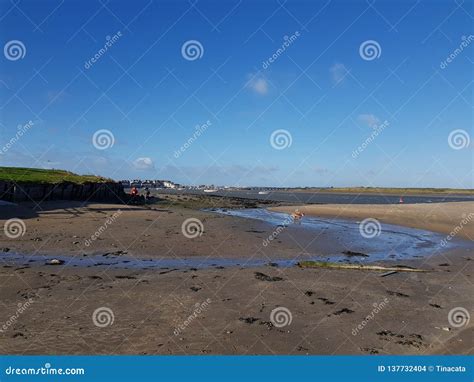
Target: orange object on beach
<point x="297" y="215"/>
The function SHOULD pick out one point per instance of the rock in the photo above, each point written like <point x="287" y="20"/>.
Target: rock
<point x="55" y="262"/>
<point x="352" y="253"/>
<point x="263" y="277"/>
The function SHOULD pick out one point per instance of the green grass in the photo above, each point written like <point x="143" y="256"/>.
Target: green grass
<point x="389" y="191"/>
<point x="37" y="175"/>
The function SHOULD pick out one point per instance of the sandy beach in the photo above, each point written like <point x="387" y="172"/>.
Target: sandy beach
<point x="437" y="217"/>
<point x="102" y="309"/>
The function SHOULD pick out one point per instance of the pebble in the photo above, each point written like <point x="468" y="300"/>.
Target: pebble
<point x="55" y="262"/>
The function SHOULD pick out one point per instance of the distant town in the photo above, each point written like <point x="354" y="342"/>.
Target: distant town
<point x="168" y="184"/>
<point x="149" y="183"/>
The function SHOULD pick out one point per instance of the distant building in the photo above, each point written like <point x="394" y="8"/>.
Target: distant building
<point x="169" y="184"/>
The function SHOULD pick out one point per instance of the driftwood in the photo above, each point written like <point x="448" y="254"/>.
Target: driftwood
<point x="323" y="264"/>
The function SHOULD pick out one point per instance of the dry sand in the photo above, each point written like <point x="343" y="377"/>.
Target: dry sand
<point x="148" y="306"/>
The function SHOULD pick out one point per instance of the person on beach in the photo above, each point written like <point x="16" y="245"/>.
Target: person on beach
<point x="147" y="194"/>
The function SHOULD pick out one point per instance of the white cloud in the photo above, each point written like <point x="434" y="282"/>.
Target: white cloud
<point x="143" y="164"/>
<point x="369" y="119"/>
<point x="258" y="84"/>
<point x="338" y="73"/>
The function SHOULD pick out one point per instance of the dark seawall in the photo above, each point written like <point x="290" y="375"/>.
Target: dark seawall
<point x="21" y="192"/>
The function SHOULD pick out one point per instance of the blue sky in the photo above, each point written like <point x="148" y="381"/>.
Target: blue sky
<point x="410" y="114"/>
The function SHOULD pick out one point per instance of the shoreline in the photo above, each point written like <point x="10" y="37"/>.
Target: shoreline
<point x="436" y="217"/>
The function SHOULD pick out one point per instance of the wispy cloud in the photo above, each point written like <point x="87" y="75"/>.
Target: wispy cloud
<point x="338" y="73"/>
<point x="258" y="84"/>
<point x="368" y="119"/>
<point x="320" y="170"/>
<point x="143" y="164"/>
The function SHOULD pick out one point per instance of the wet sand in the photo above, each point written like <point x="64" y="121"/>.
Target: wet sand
<point x="217" y="310"/>
<point x="437" y="217"/>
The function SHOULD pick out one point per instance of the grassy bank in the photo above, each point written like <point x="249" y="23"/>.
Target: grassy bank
<point x="36" y="175"/>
